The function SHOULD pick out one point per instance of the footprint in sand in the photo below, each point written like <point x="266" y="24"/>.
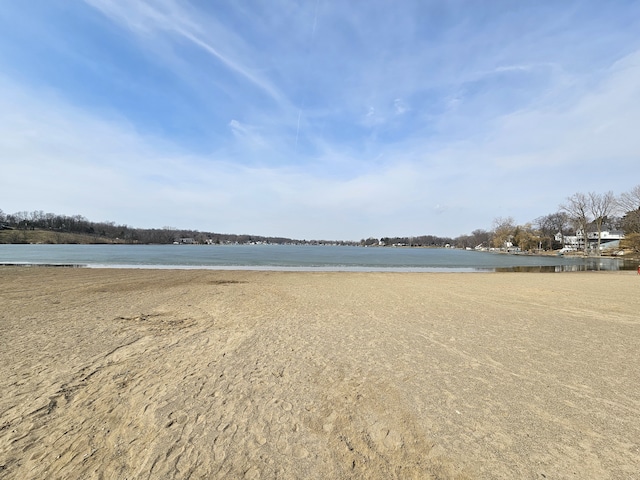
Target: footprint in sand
<point x="300" y="452"/>
<point x="260" y="440"/>
<point x="282" y="444"/>
<point x="385" y="438"/>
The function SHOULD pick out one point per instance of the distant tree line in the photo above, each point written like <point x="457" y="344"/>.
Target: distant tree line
<point x="587" y="213"/>
<point x="420" y="241"/>
<point x="77" y="224"/>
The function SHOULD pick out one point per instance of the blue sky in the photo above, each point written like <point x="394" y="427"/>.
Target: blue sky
<point x="316" y="119"/>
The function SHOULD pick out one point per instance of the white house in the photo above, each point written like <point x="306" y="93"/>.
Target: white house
<point x="608" y="239"/>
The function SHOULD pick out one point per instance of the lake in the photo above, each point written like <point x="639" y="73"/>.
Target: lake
<point x="296" y="257"/>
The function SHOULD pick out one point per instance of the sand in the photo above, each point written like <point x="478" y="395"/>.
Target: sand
<point x="114" y="374"/>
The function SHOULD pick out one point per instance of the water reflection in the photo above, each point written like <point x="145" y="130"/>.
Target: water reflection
<point x="588" y="265"/>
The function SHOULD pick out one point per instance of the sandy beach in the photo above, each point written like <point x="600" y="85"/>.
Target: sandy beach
<point x="113" y="374"/>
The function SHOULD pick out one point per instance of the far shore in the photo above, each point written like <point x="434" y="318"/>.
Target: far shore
<point x="46" y="237"/>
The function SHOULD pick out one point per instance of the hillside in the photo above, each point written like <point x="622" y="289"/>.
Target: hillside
<point x="50" y="237"/>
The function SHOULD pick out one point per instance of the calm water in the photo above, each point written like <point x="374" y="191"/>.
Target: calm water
<point x="295" y="257"/>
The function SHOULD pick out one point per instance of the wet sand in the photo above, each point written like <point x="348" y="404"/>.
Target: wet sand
<point x="142" y="374"/>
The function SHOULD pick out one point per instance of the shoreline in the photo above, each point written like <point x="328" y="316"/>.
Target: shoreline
<point x="310" y="269"/>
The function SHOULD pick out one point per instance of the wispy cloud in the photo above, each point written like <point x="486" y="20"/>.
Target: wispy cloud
<point x="149" y="19"/>
<point x="400" y="106"/>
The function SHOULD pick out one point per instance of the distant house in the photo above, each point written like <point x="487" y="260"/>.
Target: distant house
<point x="570" y="242"/>
<point x="608" y="239"/>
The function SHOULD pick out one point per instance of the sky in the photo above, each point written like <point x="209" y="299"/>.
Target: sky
<point x="316" y="119"/>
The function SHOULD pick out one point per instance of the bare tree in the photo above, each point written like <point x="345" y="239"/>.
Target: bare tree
<point x="503" y="231"/>
<point x="601" y="206"/>
<point x="629" y="204"/>
<point x="552" y="224"/>
<point x="629" y="201"/>
<point x="480" y="237"/>
<point x="577" y="207"/>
